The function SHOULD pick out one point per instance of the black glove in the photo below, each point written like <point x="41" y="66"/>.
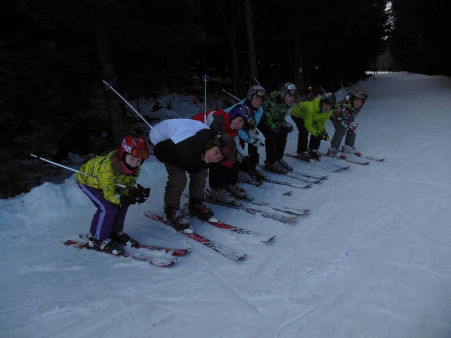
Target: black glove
<point x="126" y="200"/>
<point x="132" y="197"/>
<point x="286" y="128"/>
<point x="143" y="193"/>
<point x="323" y="135"/>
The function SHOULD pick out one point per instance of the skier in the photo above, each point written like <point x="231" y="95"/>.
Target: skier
<point x="275" y="128"/>
<point x="343" y="120"/>
<point x="188" y="146"/>
<point x="310" y="117"/>
<point x="254" y="99"/>
<point x="103" y="173"/>
<point x="223" y="177"/>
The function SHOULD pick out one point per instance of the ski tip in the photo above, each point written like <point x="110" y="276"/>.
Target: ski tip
<point x="188" y="231"/>
<point x="164" y="264"/>
<point x="266" y="240"/>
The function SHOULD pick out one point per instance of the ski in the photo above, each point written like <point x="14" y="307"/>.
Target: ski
<point x="249" y="180"/>
<point x="241" y="231"/>
<point x="281" y="208"/>
<point x="169" y="251"/>
<point x="358" y="154"/>
<point x="321" y="163"/>
<point x="223" y="250"/>
<point x="162" y="263"/>
<point x="296" y="176"/>
<point x="350" y="158"/>
<point x="280" y="218"/>
<point x="371" y="158"/>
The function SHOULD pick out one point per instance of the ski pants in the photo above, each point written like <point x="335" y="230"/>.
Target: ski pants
<point x="177" y="183"/>
<point x="220" y="176"/>
<point x="275" y="143"/>
<point x="303" y="141"/>
<point x="108" y="218"/>
<point x="339" y="134"/>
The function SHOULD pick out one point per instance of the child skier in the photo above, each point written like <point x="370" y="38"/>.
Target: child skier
<point x="223" y="177"/>
<point x="343" y="120"/>
<point x="103" y="173"/>
<point x="310" y="117"/>
<point x="254" y="99"/>
<point x="275" y="128"/>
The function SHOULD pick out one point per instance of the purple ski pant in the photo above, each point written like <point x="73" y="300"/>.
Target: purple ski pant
<point x="108" y="218"/>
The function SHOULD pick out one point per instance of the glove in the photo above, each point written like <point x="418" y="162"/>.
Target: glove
<point x="352" y="127"/>
<point x="126" y="200"/>
<point x="323" y="135"/>
<point x="246" y="164"/>
<point x="286" y="128"/>
<point x="254" y="141"/>
<point x="143" y="193"/>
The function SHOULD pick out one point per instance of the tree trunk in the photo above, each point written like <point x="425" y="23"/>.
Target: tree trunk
<point x="250" y="40"/>
<point x="114" y="104"/>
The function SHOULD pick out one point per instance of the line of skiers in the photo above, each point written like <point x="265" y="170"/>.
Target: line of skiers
<point x="200" y="150"/>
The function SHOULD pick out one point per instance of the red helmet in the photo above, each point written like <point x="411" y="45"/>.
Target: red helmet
<point x="135" y="145"/>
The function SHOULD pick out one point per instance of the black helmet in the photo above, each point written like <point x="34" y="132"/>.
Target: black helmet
<point x="287" y="87"/>
<point x="226" y="145"/>
<point x="256" y="90"/>
<point x="328" y="98"/>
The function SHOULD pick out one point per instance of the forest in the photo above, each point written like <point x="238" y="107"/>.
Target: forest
<point x="54" y="55"/>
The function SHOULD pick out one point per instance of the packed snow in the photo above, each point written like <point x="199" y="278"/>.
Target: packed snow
<point x="370" y="259"/>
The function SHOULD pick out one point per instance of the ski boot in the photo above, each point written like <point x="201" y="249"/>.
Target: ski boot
<point x="351" y="150"/>
<point x="197" y="208"/>
<point x="276" y="167"/>
<point x="123" y="239"/>
<point x="105" y="245"/>
<point x="175" y="218"/>
<point x="284" y="164"/>
<point x="239" y="192"/>
<point x="305" y="156"/>
<point x="222" y="195"/>
<point x="314" y="153"/>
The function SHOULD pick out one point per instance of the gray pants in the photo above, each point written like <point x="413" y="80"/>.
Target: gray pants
<point x="338" y="136"/>
<point x="177" y="182"/>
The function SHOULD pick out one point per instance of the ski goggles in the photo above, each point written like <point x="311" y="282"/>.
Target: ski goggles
<point x="260" y="93"/>
<point x="361" y="95"/>
<point x="140" y="153"/>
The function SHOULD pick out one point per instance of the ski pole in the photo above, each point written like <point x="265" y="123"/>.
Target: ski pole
<point x="110" y="86"/>
<point x="311" y="92"/>
<point x="197" y="102"/>
<point x="225" y="91"/>
<point x="74" y="170"/>
<point x="344" y="91"/>
<point x="205" y="78"/>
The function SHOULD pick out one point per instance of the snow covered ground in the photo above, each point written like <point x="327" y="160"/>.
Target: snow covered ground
<point x="370" y="259"/>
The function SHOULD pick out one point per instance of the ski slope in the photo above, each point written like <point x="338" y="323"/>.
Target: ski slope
<point x="370" y="259"/>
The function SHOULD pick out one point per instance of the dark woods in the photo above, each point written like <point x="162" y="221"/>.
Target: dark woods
<point x="55" y="53"/>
